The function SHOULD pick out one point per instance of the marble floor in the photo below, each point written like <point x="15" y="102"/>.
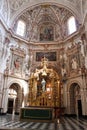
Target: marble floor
<point x="9" y="122"/>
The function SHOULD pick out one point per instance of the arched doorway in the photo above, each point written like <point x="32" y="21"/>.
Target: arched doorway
<point x="75" y="100"/>
<point x="15" y="98"/>
<point x="11" y="100"/>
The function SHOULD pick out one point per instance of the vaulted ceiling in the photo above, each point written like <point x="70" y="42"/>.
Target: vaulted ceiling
<point x="11" y="9"/>
<point x="46" y="15"/>
<point x="37" y="13"/>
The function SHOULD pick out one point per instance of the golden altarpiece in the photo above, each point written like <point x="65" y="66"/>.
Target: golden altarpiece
<point x="44" y="87"/>
<point x="44" y="101"/>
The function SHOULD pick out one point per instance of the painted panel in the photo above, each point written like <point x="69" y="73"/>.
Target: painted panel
<point x="46" y="33"/>
<point x="51" y="56"/>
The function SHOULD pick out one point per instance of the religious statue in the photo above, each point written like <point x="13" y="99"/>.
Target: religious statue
<point x="44" y="63"/>
<point x="43" y="82"/>
<point x="74" y="64"/>
<point x="17" y="63"/>
<point x="63" y="71"/>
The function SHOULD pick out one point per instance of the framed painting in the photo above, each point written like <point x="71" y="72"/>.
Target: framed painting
<point x="51" y="56"/>
<point x="46" y="33"/>
<point x="16" y="64"/>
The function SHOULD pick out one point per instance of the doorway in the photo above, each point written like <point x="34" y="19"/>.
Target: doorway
<point x="79" y="108"/>
<point x="75" y="100"/>
<point x="10" y="105"/>
<point x="15" y="98"/>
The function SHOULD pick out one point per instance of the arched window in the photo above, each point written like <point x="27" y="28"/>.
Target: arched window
<point x="71" y="25"/>
<point x="21" y="28"/>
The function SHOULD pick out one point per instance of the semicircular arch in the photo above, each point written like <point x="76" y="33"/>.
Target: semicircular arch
<point x="31" y="5"/>
<point x="73" y="82"/>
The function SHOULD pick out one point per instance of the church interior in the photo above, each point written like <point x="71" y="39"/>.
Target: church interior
<point x="43" y="60"/>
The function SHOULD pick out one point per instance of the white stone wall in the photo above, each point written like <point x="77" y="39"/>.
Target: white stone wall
<point x="9" y="17"/>
<point x="3" y="50"/>
<point x="4" y="12"/>
<point x="16" y="7"/>
<point x="22" y="84"/>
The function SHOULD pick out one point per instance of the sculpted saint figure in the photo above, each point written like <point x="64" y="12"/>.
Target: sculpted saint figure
<point x="74" y="63"/>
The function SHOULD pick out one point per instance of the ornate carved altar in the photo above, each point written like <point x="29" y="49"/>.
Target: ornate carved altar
<point x="44" y="87"/>
<point x="44" y="95"/>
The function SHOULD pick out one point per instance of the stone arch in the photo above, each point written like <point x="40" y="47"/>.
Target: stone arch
<point x="74" y="91"/>
<point x="19" y="97"/>
<point x="71" y="82"/>
<point x="6" y="10"/>
<point x="34" y="3"/>
<point x="14" y="81"/>
<point x="17" y="86"/>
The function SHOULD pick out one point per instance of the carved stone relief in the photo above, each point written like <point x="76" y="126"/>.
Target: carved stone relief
<point x="78" y="5"/>
<point x="63" y="64"/>
<point x="26" y="66"/>
<point x="5" y="48"/>
<point x="72" y="1"/>
<point x="84" y="44"/>
<point x="1" y="81"/>
<point x="1" y="4"/>
<point x="1" y="44"/>
<point x="84" y="5"/>
<point x="75" y="58"/>
<point x="5" y="10"/>
<point x="16" y="4"/>
<point x="58" y="33"/>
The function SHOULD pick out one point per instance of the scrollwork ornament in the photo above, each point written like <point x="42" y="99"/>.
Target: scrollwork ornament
<point x="15" y="4"/>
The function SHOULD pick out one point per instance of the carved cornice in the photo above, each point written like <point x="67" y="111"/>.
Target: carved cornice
<point x="18" y="51"/>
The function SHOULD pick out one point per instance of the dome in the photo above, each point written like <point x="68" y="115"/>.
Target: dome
<point x="40" y="16"/>
<point x="49" y="20"/>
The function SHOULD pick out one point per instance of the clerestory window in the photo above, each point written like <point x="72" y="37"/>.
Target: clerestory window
<point x="21" y="26"/>
<point x="71" y="25"/>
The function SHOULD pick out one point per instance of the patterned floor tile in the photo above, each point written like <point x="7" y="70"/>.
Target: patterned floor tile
<point x="65" y="123"/>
